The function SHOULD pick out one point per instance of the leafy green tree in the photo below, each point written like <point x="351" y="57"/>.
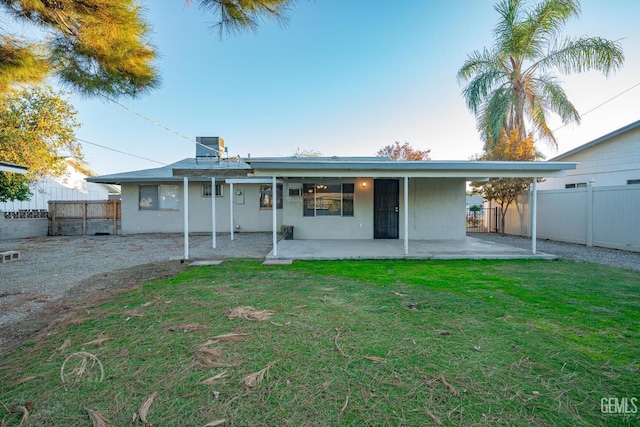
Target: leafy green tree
<point x="37" y="127"/>
<point x="397" y="151"/>
<point x="102" y="46"/>
<point x="13" y="187"/>
<point x="512" y="85"/>
<point x="504" y="191"/>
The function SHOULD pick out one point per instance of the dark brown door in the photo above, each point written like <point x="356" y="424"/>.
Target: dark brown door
<point x="386" y="215"/>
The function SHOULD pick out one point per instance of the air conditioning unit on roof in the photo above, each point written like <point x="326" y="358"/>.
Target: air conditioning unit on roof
<point x="209" y="146"/>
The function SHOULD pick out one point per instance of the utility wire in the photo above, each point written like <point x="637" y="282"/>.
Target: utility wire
<point x="601" y="104"/>
<point x="150" y="120"/>
<point x="121" y="152"/>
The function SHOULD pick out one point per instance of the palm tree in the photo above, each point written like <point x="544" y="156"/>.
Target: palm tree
<point x="511" y="86"/>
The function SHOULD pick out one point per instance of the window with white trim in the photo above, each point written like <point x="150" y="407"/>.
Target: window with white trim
<point x="158" y="197"/>
<point x="206" y="190"/>
<point x="327" y="199"/>
<point x="578" y="185"/>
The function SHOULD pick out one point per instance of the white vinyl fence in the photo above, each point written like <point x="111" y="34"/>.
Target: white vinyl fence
<point x="608" y="217"/>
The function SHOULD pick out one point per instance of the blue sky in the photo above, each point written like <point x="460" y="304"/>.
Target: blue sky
<point x="342" y="78"/>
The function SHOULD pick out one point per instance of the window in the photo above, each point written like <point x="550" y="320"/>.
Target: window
<point x="206" y="190"/>
<point x="158" y="197"/>
<point x="327" y="199"/>
<point x="266" y="198"/>
<point x="633" y="181"/>
<point x="578" y="185"/>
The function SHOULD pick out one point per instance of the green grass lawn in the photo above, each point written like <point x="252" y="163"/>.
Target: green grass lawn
<point x="364" y="343"/>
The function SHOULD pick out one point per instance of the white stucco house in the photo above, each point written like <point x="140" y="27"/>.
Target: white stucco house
<point x="321" y="197"/>
<point x="612" y="159"/>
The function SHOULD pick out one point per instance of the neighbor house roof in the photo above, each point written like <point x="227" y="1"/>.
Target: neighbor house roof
<point x="11" y="167"/>
<point x="385" y="167"/>
<point x="167" y="173"/>
<point x="597" y="141"/>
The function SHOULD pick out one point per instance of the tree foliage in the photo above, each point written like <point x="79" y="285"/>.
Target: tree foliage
<point x="512" y="84"/>
<point x="102" y="46"/>
<point x="397" y="151"/>
<point x="504" y="191"/>
<point x="37" y="127"/>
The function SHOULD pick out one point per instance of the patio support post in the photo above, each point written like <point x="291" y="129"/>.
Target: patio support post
<point x="534" y="210"/>
<point x="185" y="196"/>
<point x="213" y="212"/>
<point x="406" y="215"/>
<point x="274" y="210"/>
<point x="231" y="210"/>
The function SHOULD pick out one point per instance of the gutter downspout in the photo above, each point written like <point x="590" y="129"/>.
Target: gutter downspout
<point x="406" y="215"/>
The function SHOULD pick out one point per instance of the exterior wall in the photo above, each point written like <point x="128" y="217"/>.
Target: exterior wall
<point x="611" y="162"/>
<point x="247" y="214"/>
<point x="436" y="211"/>
<point x="358" y="226"/>
<point x="597" y="216"/>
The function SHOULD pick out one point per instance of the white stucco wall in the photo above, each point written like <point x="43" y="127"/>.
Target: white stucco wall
<point x="248" y="217"/>
<point x="611" y="162"/>
<point x="436" y="211"/>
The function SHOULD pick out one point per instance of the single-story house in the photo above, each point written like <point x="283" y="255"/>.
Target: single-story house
<point x="321" y="197"/>
<point x="612" y="159"/>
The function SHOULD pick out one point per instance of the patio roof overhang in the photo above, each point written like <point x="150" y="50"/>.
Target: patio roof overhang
<point x="11" y="167"/>
<point x="469" y="170"/>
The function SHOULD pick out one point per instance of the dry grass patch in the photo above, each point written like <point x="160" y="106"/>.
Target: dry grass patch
<point x="250" y="313"/>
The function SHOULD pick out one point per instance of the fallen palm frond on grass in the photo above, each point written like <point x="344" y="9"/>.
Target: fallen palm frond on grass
<point x="335" y="341"/>
<point x="22" y="410"/>
<point x="215" y="423"/>
<point x="376" y="359"/>
<point x="143" y="409"/>
<point x="255" y="378"/>
<point x="208" y="358"/>
<point x="188" y="327"/>
<point x="231" y="337"/>
<point x="448" y="386"/>
<point x="97" y="419"/>
<point x="250" y="313"/>
<point x="98" y="341"/>
<point x="213" y="379"/>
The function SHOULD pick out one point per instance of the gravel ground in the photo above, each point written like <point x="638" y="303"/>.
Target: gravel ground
<point x="570" y="251"/>
<point x="52" y="269"/>
<point x="57" y="275"/>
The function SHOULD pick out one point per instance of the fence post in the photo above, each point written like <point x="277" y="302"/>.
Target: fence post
<point x="590" y="212"/>
<point x="115" y="217"/>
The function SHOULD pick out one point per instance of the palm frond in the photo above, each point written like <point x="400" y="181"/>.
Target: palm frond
<point x="584" y="54"/>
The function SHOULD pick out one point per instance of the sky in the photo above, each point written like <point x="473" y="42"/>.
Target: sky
<point x="343" y="78"/>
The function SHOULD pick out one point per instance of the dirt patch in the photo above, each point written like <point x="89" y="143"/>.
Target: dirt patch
<point x="91" y="291"/>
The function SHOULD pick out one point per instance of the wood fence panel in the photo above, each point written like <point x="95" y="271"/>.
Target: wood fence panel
<point x="84" y="217"/>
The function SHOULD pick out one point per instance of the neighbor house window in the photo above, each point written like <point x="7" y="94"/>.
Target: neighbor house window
<point x="327" y="199"/>
<point x="578" y="185"/>
<point x="206" y="190"/>
<point x="266" y="196"/>
<point x="158" y="198"/>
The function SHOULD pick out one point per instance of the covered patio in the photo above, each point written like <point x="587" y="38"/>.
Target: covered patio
<point x="467" y="248"/>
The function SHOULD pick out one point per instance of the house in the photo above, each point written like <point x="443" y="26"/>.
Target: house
<point x="612" y="159"/>
<point x="10" y="167"/>
<point x="346" y="198"/>
<point x="71" y="185"/>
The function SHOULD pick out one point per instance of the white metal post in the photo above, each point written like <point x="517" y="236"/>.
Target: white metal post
<point x="590" y="212"/>
<point x="185" y="196"/>
<point x="274" y="206"/>
<point x="534" y="214"/>
<point x="213" y="213"/>
<point x="231" y="210"/>
<point x="406" y="215"/>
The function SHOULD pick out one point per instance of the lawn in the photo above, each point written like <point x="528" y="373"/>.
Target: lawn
<point x="365" y="343"/>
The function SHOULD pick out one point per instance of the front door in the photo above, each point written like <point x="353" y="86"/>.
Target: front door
<point x="386" y="198"/>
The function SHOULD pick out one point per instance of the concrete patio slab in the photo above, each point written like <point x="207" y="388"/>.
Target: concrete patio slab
<point x="205" y="262"/>
<point x="278" y="262"/>
<point x="467" y="248"/>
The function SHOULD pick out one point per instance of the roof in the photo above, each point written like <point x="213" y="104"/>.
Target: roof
<point x="166" y="173"/>
<point x="597" y="141"/>
<point x="385" y="167"/>
<point x="11" y="167"/>
<point x="198" y="169"/>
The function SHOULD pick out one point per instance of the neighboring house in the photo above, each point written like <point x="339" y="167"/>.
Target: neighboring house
<point x="612" y="159"/>
<point x="597" y="203"/>
<point x="10" y="167"/>
<point x="71" y="185"/>
<point x="321" y="197"/>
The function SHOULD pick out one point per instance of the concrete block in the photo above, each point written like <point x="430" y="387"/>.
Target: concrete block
<point x="7" y="256"/>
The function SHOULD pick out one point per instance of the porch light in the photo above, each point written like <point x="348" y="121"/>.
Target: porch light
<point x="364" y="184"/>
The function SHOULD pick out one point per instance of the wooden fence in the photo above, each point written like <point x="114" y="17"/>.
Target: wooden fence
<point x="84" y="217"/>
